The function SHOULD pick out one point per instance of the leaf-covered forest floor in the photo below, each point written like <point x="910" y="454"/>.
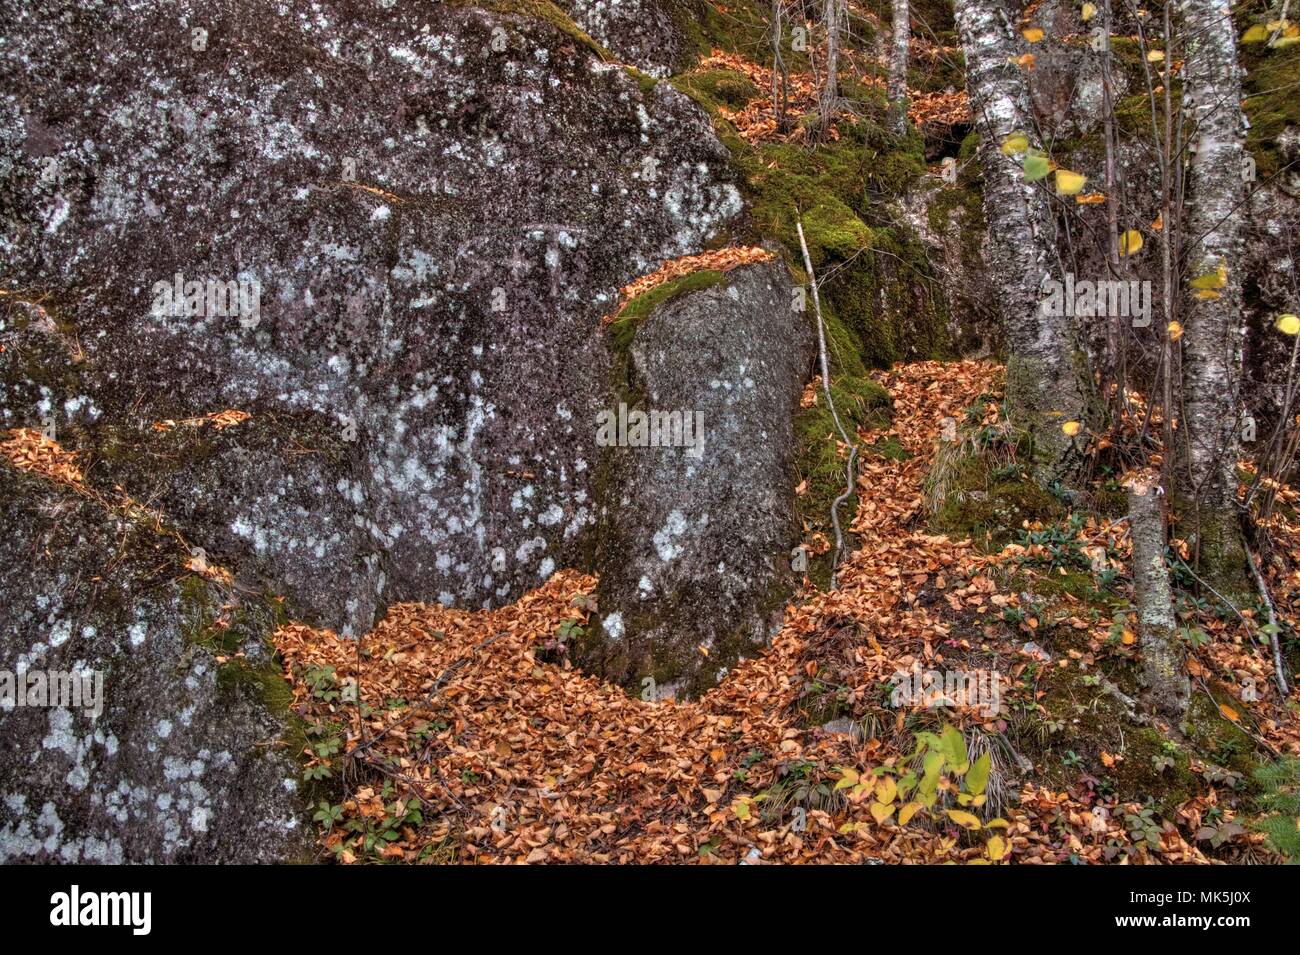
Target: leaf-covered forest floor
<point x="475" y="741"/>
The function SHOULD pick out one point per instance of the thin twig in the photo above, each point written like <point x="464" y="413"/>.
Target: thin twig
<point x="1278" y="669"/>
<point x="826" y="387"/>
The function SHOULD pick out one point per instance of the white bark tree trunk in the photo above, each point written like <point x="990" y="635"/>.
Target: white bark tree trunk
<point x="778" y="69"/>
<point x="1212" y="340"/>
<point x="898" y="57"/>
<point x="832" y="16"/>
<point x="1162" y="654"/>
<point x="1048" y="383"/>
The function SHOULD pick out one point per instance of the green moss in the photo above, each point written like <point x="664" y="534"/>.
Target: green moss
<point x="844" y="347"/>
<point x="1133" y="113"/>
<point x="644" y="80"/>
<point x="34" y="362"/>
<point x="988" y="505"/>
<point x="896" y="306"/>
<point x="540" y="10"/>
<point x="258" y="673"/>
<point x="1272" y="87"/>
<point x="1216" y="737"/>
<point x="635" y="311"/>
<point x="968" y="154"/>
<point x="889" y="448"/>
<point x="1137" y="777"/>
<point x="1093" y="722"/>
<point x="1078" y="584"/>
<point x="877" y="278"/>
<point x="833" y="229"/>
<point x="742" y="29"/>
<point x="716" y="88"/>
<point x="948" y="200"/>
<point x="1110" y="501"/>
<point x="861" y="403"/>
<point x="245" y="626"/>
<point x="1220" y="548"/>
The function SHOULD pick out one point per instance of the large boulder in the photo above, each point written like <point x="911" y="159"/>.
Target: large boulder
<point x="695" y="562"/>
<point x="314" y="291"/>
<point x="385" y="235"/>
<point x="175" y="748"/>
<point x="437" y="203"/>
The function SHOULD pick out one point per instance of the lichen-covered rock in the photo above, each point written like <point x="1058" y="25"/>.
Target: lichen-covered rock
<point x="649" y="34"/>
<point x="176" y="757"/>
<point x="1272" y="241"/>
<point x="385" y="235"/>
<point x="949" y="223"/>
<point x="437" y="204"/>
<point x="695" y="564"/>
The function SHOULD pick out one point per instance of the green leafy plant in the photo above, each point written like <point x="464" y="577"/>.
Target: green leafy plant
<point x="569" y="630"/>
<point x="1144" y="827"/>
<point x="752" y="758"/>
<point x="943" y="773"/>
<point x="327" y="815"/>
<point x="1279" y="800"/>
<point x="324" y="741"/>
<point x="798" y="783"/>
<point x="323" y="683"/>
<point x="1056" y="546"/>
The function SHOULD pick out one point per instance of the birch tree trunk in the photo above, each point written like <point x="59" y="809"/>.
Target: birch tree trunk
<point x="1048" y="382"/>
<point x="1162" y="655"/>
<point x="898" y="57"/>
<point x="830" y="97"/>
<point x="778" y="69"/>
<point x="1212" y="339"/>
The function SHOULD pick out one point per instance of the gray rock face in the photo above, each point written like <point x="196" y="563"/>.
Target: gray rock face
<point x="173" y="758"/>
<point x="388" y="234"/>
<point x="1272" y="242"/>
<point x="649" y="34"/>
<point x="1288" y="145"/>
<point x="437" y="204"/>
<point x="697" y="549"/>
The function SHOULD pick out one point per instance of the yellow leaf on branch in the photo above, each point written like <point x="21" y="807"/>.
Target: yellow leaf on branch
<point x="1069" y="183"/>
